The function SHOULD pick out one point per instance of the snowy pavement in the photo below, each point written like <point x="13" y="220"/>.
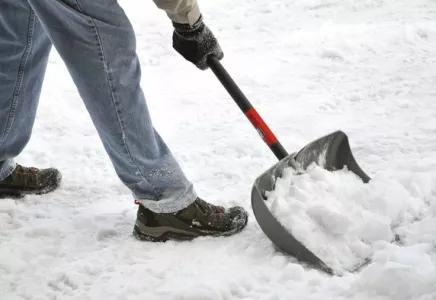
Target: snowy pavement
<point x="310" y="68"/>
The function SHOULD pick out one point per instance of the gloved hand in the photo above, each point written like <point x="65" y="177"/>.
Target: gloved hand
<point x="195" y="43"/>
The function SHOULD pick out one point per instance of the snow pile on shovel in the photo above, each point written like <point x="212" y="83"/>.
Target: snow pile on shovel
<point x="339" y="218"/>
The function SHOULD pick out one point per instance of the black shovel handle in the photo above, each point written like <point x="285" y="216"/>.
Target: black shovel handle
<point x="250" y="112"/>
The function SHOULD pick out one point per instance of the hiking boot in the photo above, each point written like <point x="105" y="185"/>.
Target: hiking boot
<point x="24" y="180"/>
<point x="198" y="219"/>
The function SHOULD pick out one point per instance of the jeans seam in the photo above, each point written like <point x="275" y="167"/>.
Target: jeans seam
<point x="108" y="78"/>
<point x="20" y="77"/>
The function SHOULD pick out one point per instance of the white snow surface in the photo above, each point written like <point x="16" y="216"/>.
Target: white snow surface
<point x="310" y="68"/>
<point x="342" y="221"/>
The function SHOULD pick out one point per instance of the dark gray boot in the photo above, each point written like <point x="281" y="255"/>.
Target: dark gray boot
<point x="198" y="219"/>
<point x="25" y="180"/>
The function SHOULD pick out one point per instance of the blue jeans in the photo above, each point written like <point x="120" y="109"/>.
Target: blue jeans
<point x="97" y="43"/>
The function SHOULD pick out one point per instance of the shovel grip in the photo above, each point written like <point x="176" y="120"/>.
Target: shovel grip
<point x="247" y="108"/>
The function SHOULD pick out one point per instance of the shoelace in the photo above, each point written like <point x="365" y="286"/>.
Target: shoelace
<point x="26" y="170"/>
<point x="209" y="207"/>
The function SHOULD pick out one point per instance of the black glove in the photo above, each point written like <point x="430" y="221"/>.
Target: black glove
<point x="195" y="43"/>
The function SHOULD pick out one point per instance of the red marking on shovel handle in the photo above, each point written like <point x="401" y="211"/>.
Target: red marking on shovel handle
<point x="266" y="134"/>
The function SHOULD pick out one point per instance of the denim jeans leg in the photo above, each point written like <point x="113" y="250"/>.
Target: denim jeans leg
<point x="24" y="51"/>
<point x="97" y="43"/>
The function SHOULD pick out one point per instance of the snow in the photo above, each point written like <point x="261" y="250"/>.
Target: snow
<point x="310" y="68"/>
<point x="338" y="218"/>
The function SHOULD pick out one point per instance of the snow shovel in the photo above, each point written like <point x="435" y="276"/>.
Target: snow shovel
<point x="331" y="152"/>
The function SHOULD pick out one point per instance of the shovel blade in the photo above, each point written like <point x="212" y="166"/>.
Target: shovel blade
<point x="331" y="152"/>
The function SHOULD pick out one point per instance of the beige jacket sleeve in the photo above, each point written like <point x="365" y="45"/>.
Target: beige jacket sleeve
<point x="180" y="11"/>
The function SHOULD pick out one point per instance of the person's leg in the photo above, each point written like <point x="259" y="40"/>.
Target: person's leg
<point x="97" y="43"/>
<point x="24" y="51"/>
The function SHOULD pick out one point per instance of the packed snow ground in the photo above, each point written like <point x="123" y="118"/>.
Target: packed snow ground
<point x="310" y="67"/>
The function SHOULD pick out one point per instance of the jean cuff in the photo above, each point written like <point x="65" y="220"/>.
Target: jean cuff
<point x="170" y="202"/>
<point x="8" y="167"/>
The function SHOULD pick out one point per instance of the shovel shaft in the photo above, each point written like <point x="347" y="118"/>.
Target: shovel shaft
<point x="250" y="112"/>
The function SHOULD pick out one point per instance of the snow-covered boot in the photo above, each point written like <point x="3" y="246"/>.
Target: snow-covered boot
<point x="198" y="219"/>
<point x="29" y="180"/>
